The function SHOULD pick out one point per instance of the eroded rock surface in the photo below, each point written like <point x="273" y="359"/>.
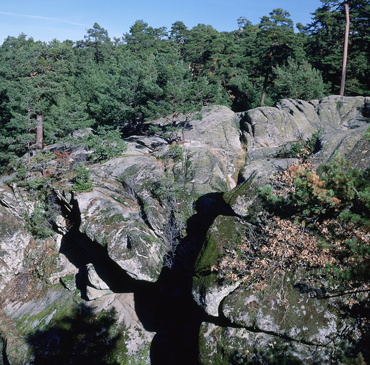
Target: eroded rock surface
<point x="280" y="315"/>
<point x="110" y="243"/>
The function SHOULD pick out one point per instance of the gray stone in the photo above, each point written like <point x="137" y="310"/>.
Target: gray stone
<point x="228" y="345"/>
<point x="211" y="301"/>
<point x="150" y="142"/>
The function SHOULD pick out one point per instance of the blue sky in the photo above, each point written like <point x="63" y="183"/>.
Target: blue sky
<point x="69" y="19"/>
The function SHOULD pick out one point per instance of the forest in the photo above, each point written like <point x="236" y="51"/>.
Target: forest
<point x="50" y="90"/>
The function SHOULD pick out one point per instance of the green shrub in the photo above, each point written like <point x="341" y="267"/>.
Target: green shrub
<point x="175" y="152"/>
<point x="39" y="225"/>
<point x="339" y="191"/>
<point x="309" y="146"/>
<point x="22" y="172"/>
<point x="168" y="132"/>
<point x="34" y="185"/>
<point x="81" y="182"/>
<point x="335" y="206"/>
<point x="41" y="160"/>
<point x="302" y="148"/>
<point x="332" y="211"/>
<point x="106" y="144"/>
<point x="299" y="81"/>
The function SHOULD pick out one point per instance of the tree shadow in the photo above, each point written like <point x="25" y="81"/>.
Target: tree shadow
<point x="165" y="307"/>
<point x="177" y="316"/>
<point x="357" y="334"/>
<point x="82" y="337"/>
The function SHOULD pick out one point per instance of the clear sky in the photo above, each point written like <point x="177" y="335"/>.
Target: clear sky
<point x="69" y="19"/>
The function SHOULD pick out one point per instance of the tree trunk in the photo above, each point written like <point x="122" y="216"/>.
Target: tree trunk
<point x="264" y="88"/>
<point x="345" y="51"/>
<point x="39" y="133"/>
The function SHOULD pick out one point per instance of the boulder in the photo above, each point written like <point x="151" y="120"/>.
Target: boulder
<point x="341" y="112"/>
<point x="218" y="128"/>
<point x="114" y="222"/>
<point x="272" y="127"/>
<point x="267" y="129"/>
<point x="281" y="309"/>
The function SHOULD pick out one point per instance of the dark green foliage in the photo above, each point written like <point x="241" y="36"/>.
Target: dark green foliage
<point x="175" y="152"/>
<point x="334" y="207"/>
<point x="325" y="44"/>
<point x="39" y="225"/>
<point x="302" y="148"/>
<point x="340" y="197"/>
<point x="358" y="360"/>
<point x="22" y="172"/>
<point x="142" y="38"/>
<point x="150" y="73"/>
<point x="299" y="81"/>
<point x="36" y="184"/>
<point x="175" y="92"/>
<point x="167" y="132"/>
<point x="106" y="144"/>
<point x="81" y="182"/>
<point x="40" y="161"/>
<point x="97" y="39"/>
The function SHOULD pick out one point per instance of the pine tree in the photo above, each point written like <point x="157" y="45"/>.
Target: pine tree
<point x="299" y="80"/>
<point x="277" y="42"/>
<point x="326" y="34"/>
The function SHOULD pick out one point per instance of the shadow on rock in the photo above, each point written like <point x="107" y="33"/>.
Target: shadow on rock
<point x="82" y="337"/>
<point x="208" y="207"/>
<point x="172" y="312"/>
<point x="165" y="307"/>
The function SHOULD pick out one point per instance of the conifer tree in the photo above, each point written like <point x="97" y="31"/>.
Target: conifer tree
<point x="276" y="43"/>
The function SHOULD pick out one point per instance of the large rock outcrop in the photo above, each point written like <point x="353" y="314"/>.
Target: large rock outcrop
<point x="279" y="316"/>
<point x="108" y="238"/>
<point x="109" y="244"/>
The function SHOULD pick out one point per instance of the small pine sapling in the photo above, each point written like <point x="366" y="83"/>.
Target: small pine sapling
<point x="82" y="181"/>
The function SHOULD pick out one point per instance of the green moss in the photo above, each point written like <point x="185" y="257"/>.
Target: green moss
<point x="226" y="236"/>
<point x="116" y="218"/>
<point x="141" y="357"/>
<point x="367" y="133"/>
<point x="205" y="347"/>
<point x="339" y="105"/>
<point x="57" y="310"/>
<point x="231" y="196"/>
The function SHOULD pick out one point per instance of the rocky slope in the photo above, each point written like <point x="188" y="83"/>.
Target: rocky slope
<point x="104" y="261"/>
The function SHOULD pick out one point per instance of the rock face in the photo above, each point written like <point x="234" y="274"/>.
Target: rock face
<point x="293" y="119"/>
<point x="14" y="237"/>
<point x="109" y="238"/>
<point x="109" y="245"/>
<point x="279" y="316"/>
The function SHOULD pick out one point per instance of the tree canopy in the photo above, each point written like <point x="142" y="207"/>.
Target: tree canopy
<point x="150" y="73"/>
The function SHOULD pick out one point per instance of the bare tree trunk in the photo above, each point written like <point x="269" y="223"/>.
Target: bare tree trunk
<point x="39" y="133"/>
<point x="345" y="51"/>
<point x="29" y="153"/>
<point x="28" y="144"/>
<point x="264" y="88"/>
